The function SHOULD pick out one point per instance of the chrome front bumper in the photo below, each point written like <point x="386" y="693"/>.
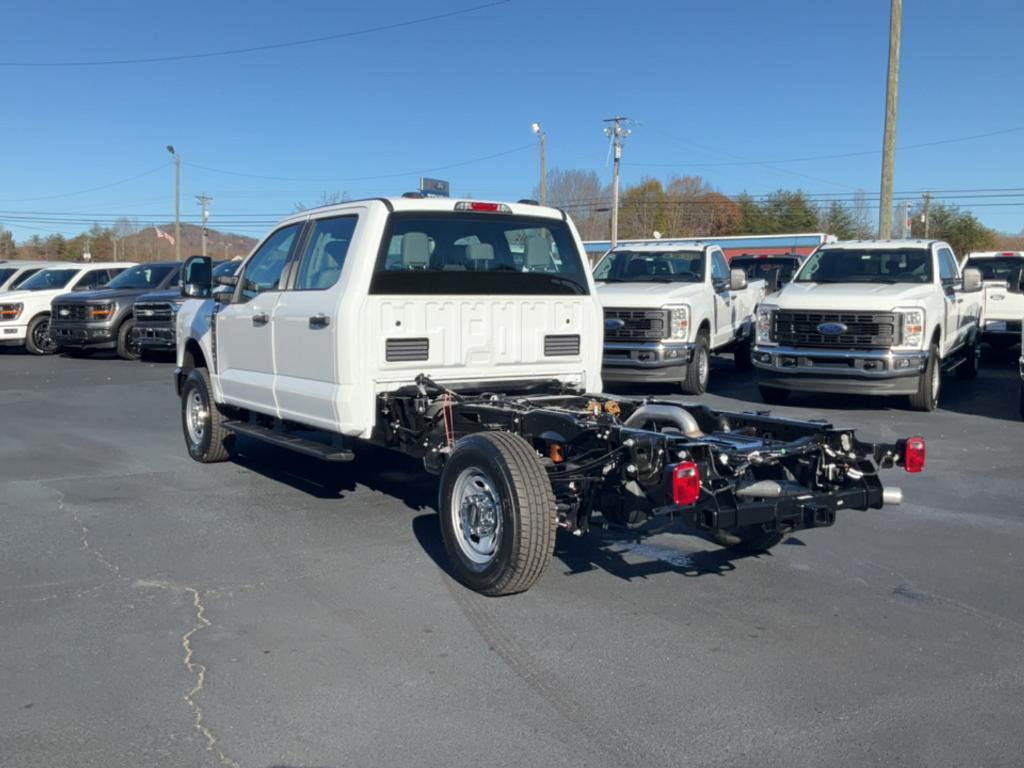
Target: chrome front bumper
<point x="864" y="364"/>
<point x="649" y="354"/>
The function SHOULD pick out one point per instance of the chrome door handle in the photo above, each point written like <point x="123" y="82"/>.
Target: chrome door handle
<point x="260" y="319"/>
<point x="319" y="321"/>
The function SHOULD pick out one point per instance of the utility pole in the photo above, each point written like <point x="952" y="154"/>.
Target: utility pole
<point x="925" y="215"/>
<point x="617" y="133"/>
<point x="892" y="89"/>
<point x="177" y="202"/>
<point x="113" y="242"/>
<point x="543" y="173"/>
<point x="204" y="200"/>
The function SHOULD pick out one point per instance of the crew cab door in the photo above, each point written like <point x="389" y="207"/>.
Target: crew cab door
<point x="244" y="331"/>
<point x="725" y="302"/>
<point x="307" y="333"/>
<point x="949" y="277"/>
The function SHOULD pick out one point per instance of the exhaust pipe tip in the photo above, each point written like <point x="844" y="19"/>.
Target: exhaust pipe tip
<point x="892" y="496"/>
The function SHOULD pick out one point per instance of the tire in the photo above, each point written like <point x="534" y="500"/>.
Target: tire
<point x="750" y="539"/>
<point x="496" y="480"/>
<point x="202" y="422"/>
<point x="37" y="337"/>
<point x="968" y="369"/>
<point x="773" y="395"/>
<point x="929" y="384"/>
<point x="741" y="356"/>
<point x="699" y="370"/>
<point x="128" y="347"/>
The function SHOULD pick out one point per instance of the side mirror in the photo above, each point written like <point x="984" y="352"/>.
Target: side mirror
<point x="737" y="279"/>
<point x="972" y="280"/>
<point x="1015" y="282"/>
<point x="197" y="277"/>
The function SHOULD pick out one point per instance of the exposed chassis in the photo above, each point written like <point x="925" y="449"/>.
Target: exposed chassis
<point x="759" y="475"/>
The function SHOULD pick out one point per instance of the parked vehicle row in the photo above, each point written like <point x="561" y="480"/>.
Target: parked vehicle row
<point x="479" y="352"/>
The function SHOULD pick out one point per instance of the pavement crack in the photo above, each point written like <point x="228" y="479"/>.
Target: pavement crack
<point x="194" y="667"/>
<point x="83" y="532"/>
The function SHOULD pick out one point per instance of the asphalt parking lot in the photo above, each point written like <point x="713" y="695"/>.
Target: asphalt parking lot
<point x="277" y="611"/>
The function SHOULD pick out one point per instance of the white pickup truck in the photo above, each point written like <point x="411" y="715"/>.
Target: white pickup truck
<point x="884" y="317"/>
<point x="1002" y="310"/>
<point x="668" y="307"/>
<point x="467" y="334"/>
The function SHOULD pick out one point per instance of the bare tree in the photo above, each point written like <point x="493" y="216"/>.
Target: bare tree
<point x="583" y="196"/>
<point x="326" y="198"/>
<point x="862" y="228"/>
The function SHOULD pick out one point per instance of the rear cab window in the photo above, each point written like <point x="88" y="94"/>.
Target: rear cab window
<point x="478" y="253"/>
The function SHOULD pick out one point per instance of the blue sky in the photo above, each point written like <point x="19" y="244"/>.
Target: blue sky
<point x="708" y="83"/>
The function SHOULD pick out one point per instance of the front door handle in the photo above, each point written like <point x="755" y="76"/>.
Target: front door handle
<point x="260" y="319"/>
<point x="319" y="321"/>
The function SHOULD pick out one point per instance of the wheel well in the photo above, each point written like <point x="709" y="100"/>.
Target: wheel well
<point x="704" y="326"/>
<point x="192" y="358"/>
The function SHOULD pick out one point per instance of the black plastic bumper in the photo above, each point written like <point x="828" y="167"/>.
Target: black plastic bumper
<point x="156" y="337"/>
<point x="83" y="336"/>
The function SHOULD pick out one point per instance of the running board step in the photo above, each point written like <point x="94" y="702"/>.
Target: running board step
<point x="292" y="442"/>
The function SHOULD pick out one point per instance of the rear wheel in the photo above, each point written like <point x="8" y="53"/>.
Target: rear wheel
<point x="929" y="384"/>
<point x="128" y="346"/>
<point x="37" y="338"/>
<point x="497" y="512"/>
<point x="750" y="539"/>
<point x="773" y="395"/>
<point x="699" y="370"/>
<point x="202" y="421"/>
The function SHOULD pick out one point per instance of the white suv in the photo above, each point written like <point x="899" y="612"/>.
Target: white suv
<point x="882" y="317"/>
<point x="25" y="313"/>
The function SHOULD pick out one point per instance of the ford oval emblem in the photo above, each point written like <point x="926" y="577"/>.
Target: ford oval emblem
<point x="614" y="324"/>
<point x="831" y="329"/>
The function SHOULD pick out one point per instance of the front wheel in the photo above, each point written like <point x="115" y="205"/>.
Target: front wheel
<point x="497" y="512"/>
<point x="37" y="338"/>
<point x="202" y="421"/>
<point x="699" y="370"/>
<point x="929" y="383"/>
<point x="128" y="345"/>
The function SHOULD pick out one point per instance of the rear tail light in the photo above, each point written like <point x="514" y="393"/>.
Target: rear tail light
<point x="914" y="452"/>
<point x="686" y="483"/>
<point x="473" y="205"/>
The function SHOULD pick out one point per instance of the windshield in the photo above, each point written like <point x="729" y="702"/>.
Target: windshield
<point x="478" y="253"/>
<point x="651" y="267"/>
<point x="49" y="279"/>
<point x="143" y="276"/>
<point x="999" y="268"/>
<point x="869" y="265"/>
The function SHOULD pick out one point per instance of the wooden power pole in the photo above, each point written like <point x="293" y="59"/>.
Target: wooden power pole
<point x="892" y="90"/>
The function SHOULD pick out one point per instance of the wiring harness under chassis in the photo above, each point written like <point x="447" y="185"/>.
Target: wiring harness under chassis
<point x="721" y="473"/>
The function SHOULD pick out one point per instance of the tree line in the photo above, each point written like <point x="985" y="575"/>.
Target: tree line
<point x="689" y="206"/>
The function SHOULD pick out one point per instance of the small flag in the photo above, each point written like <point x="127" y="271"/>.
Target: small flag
<point x="165" y="235"/>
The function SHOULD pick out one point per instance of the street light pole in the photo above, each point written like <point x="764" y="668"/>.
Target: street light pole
<point x="892" y="89"/>
<point x="177" y="202"/>
<point x="543" y="173"/>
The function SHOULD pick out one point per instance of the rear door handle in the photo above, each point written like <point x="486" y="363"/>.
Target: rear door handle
<point x="260" y="319"/>
<point x="319" y="321"/>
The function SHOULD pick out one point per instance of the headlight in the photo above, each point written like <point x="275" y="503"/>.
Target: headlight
<point x="764" y="325"/>
<point x="101" y="311"/>
<point x="913" y="328"/>
<point x="678" y="323"/>
<point x="10" y="311"/>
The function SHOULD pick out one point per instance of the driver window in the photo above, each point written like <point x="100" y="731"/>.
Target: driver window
<point x="719" y="269"/>
<point x="947" y="267"/>
<point x="263" y="272"/>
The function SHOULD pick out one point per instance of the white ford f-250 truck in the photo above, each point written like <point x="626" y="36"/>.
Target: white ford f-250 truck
<point x="667" y="308"/>
<point x="1002" y="309"/>
<point x="467" y="334"/>
<point x="884" y="317"/>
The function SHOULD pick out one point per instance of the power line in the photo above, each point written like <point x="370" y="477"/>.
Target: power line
<point x="255" y="48"/>
<point x="87" y="191"/>
<point x="836" y="156"/>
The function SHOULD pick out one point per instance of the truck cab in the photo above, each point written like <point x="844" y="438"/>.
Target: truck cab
<point x="884" y="317"/>
<point x="668" y="307"/>
<point x="339" y="304"/>
<point x="1002" y="309"/>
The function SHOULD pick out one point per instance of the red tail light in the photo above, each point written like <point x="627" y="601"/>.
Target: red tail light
<point x="914" y="452"/>
<point x="686" y="483"/>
